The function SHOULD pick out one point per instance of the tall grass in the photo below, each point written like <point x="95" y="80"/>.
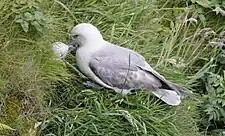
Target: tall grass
<point x="101" y="112"/>
<point x="36" y="88"/>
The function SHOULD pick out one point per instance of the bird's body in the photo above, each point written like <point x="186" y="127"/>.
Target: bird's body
<point x="83" y="57"/>
<point x="118" y="68"/>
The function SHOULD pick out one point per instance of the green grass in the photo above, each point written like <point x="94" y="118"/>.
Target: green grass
<point x="36" y="88"/>
<point x="80" y="111"/>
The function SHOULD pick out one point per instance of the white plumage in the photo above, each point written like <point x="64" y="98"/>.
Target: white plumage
<point x="118" y="68"/>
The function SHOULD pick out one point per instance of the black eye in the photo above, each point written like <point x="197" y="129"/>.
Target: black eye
<point x="75" y="36"/>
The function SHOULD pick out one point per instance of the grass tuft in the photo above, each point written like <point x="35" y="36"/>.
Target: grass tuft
<point x="36" y="89"/>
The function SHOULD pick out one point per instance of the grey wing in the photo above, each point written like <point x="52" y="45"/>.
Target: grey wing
<point x="121" y="68"/>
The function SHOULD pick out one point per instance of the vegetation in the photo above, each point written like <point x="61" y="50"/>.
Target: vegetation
<point x="183" y="40"/>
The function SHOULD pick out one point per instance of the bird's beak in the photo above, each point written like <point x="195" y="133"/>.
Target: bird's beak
<point x="73" y="45"/>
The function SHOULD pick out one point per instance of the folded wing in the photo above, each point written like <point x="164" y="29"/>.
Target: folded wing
<point x="122" y="68"/>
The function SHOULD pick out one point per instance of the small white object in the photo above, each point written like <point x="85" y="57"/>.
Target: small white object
<point x="37" y="124"/>
<point x="60" y="49"/>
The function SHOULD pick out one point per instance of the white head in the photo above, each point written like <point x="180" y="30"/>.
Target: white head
<point x="84" y="34"/>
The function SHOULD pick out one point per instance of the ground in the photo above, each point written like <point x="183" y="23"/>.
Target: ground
<point x="43" y="96"/>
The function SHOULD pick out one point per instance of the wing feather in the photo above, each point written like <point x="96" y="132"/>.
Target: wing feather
<point x="120" y="68"/>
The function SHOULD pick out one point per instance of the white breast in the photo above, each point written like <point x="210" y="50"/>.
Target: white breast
<point x="83" y="57"/>
<point x="82" y="60"/>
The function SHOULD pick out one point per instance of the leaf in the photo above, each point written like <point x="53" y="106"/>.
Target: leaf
<point x="28" y="16"/>
<point x="219" y="100"/>
<point x="222" y="112"/>
<point x="223" y="103"/>
<point x="200" y="10"/>
<point x="204" y="3"/>
<point x="42" y="22"/>
<point x="40" y="18"/>
<point x="19" y="20"/>
<point x="202" y="19"/>
<point x="216" y="84"/>
<point x="210" y="117"/>
<point x="25" y="26"/>
<point x="5" y="127"/>
<point x="38" y="15"/>
<point x="37" y="26"/>
<point x="220" y="90"/>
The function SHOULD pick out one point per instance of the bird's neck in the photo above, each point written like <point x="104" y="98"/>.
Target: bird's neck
<point x="92" y="46"/>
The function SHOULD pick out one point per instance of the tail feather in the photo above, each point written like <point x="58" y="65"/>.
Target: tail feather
<point x="180" y="90"/>
<point x="172" y="97"/>
<point x="168" y="96"/>
<point x="168" y="92"/>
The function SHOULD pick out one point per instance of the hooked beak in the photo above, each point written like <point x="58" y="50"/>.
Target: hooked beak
<point x="73" y="45"/>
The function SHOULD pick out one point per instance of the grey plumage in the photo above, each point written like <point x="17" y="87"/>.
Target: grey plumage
<point x="123" y="68"/>
<point x="118" y="68"/>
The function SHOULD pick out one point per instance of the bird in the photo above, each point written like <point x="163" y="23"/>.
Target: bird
<point x="118" y="68"/>
<point x="61" y="50"/>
